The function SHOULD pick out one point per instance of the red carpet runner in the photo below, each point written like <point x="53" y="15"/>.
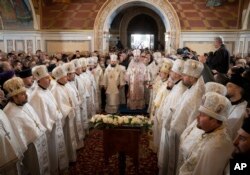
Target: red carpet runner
<point x="90" y="158"/>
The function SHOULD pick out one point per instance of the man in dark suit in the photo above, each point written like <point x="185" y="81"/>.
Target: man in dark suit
<point x="218" y="62"/>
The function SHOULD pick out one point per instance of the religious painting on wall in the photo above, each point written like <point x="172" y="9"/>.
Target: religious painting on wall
<point x="15" y="15"/>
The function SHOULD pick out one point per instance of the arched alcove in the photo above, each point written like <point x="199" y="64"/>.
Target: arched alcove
<point x="119" y="26"/>
<point x="111" y="8"/>
<point x="141" y="24"/>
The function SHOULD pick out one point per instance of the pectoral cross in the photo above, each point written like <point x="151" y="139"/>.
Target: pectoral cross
<point x="37" y="124"/>
<point x="7" y="134"/>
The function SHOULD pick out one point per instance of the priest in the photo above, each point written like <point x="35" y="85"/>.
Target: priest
<point x="27" y="127"/>
<point x="50" y="115"/>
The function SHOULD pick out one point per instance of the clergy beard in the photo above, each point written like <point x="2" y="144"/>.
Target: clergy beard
<point x="112" y="65"/>
<point x="229" y="96"/>
<point x="186" y="84"/>
<point x="22" y="103"/>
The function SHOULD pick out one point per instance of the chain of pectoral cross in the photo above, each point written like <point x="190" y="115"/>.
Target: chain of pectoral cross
<point x="31" y="117"/>
<point x="4" y="129"/>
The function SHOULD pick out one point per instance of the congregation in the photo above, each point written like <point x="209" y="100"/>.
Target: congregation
<point x="198" y="104"/>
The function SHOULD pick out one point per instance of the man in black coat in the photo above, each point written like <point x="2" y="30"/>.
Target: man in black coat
<point x="218" y="62"/>
<point x="241" y="154"/>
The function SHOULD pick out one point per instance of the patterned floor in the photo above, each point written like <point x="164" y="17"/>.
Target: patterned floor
<point x="90" y="158"/>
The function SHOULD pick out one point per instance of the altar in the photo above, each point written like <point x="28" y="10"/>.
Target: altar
<point x="125" y="142"/>
<point x="121" y="134"/>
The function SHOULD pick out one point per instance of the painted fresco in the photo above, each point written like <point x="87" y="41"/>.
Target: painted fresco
<point x="15" y="15"/>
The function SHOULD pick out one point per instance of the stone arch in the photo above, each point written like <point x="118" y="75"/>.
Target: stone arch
<point x="111" y="8"/>
<point x="133" y="13"/>
<point x="36" y="24"/>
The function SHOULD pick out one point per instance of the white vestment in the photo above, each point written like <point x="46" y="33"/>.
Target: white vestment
<point x="153" y="70"/>
<point x="186" y="110"/>
<point x="44" y="103"/>
<point x="155" y="87"/>
<point x="83" y="94"/>
<point x="122" y="89"/>
<point x="10" y="154"/>
<point x="79" y="129"/>
<point x="165" y="113"/>
<point x="235" y="119"/>
<point x="184" y="113"/>
<point x="112" y="79"/>
<point x="30" y="90"/>
<point x="209" y="154"/>
<point x="65" y="104"/>
<point x="162" y="93"/>
<point x="188" y="138"/>
<point x="90" y="86"/>
<point x="29" y="131"/>
<point x="94" y="87"/>
<point x="136" y="77"/>
<point x="98" y="75"/>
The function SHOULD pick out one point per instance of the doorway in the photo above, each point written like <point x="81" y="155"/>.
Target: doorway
<point x="142" y="41"/>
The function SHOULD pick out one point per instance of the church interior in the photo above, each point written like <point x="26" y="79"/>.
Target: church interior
<point x="98" y="87"/>
<point x="54" y="25"/>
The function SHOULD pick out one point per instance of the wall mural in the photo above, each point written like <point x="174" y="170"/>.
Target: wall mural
<point x="15" y="15"/>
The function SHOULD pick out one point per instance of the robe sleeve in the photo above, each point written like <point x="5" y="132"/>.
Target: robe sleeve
<point x="62" y="101"/>
<point x="122" y="77"/>
<point x="214" y="160"/>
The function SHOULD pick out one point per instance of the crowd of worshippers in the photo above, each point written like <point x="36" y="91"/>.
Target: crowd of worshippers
<point x="198" y="105"/>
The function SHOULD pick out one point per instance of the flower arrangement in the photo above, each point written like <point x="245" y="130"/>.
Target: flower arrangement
<point x="112" y="121"/>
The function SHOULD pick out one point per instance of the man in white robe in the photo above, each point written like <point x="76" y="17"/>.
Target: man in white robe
<point x="155" y="65"/>
<point x="165" y="113"/>
<point x="153" y="71"/>
<point x="90" y="72"/>
<point x="27" y="127"/>
<point x="83" y="92"/>
<point x="122" y="88"/>
<point x="186" y="109"/>
<point x="10" y="154"/>
<point x="112" y="82"/>
<point x="44" y="103"/>
<point x="74" y="93"/>
<point x="90" y="87"/>
<point x="65" y="104"/>
<point x="236" y="90"/>
<point x="98" y="75"/>
<point x="192" y="133"/>
<point x="211" y="152"/>
<point x="161" y="93"/>
<point x="136" y="77"/>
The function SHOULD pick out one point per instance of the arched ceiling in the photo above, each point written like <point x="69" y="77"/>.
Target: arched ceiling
<point x="81" y="14"/>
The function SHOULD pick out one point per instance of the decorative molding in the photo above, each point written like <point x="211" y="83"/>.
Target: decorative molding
<point x="10" y="45"/>
<point x="38" y="45"/>
<point x="19" y="45"/>
<point x="68" y="44"/>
